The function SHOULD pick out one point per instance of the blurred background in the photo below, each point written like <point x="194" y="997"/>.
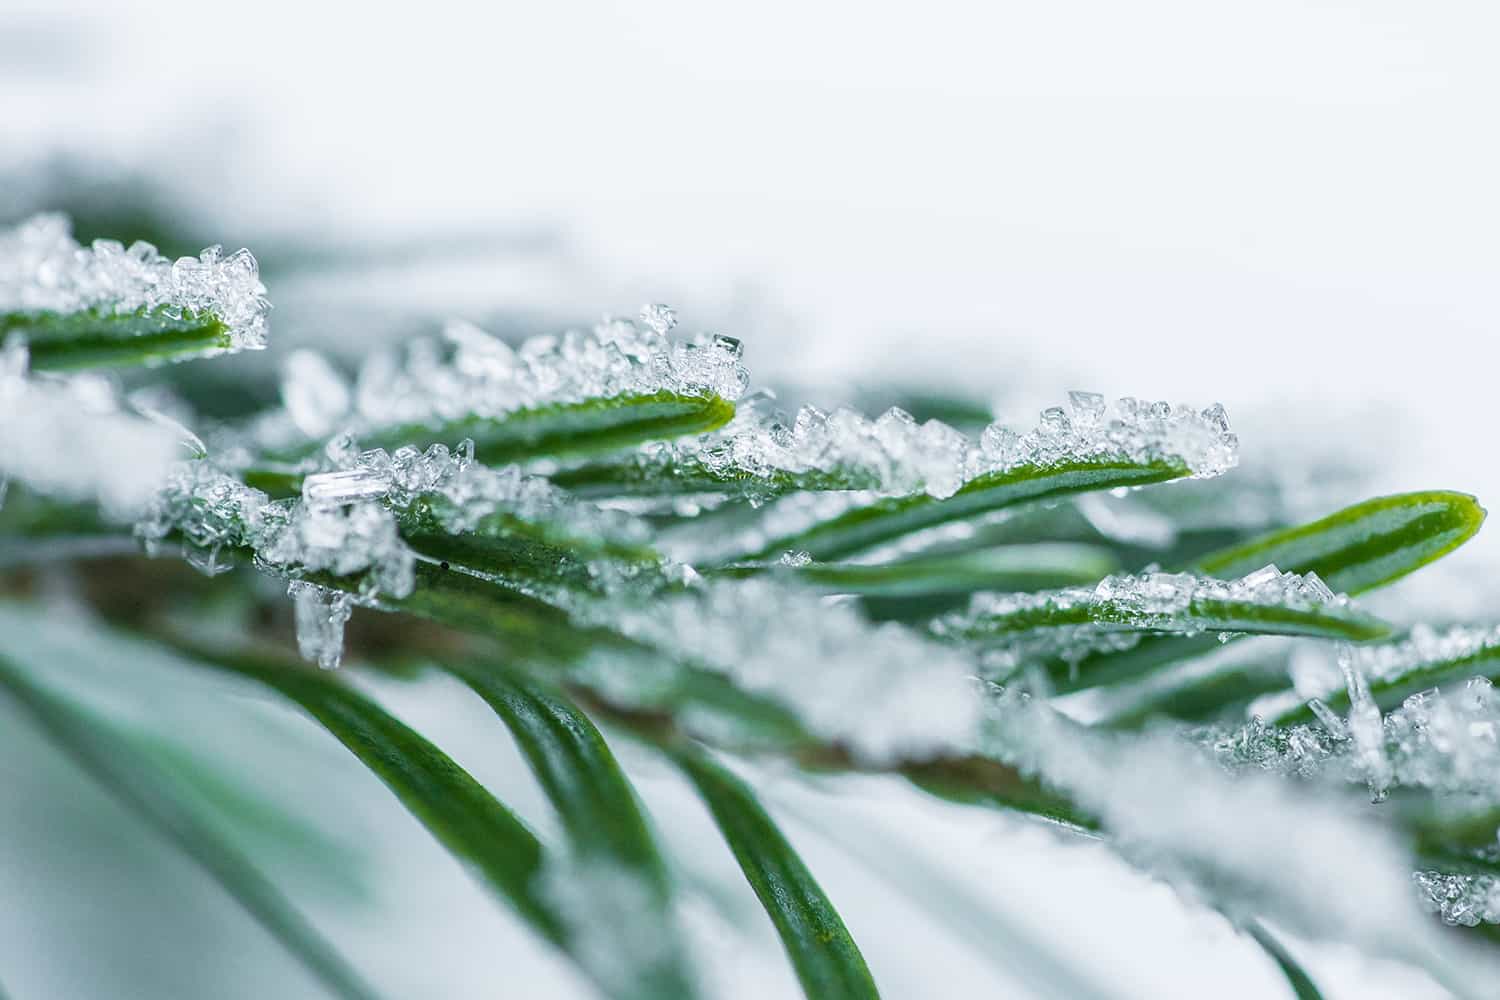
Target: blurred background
<point x="1290" y="207"/>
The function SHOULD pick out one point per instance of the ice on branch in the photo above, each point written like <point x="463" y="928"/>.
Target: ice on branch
<point x="474" y="375"/>
<point x="881" y="691"/>
<point x="763" y="453"/>
<point x="1312" y="860"/>
<point x="1182" y="603"/>
<point x="71" y="439"/>
<point x="44" y="271"/>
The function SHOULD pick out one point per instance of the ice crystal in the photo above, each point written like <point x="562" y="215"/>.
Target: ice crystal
<point x="1364" y="726"/>
<point x="321" y="615"/>
<point x="44" y="270"/>
<point x="473" y="374"/>
<point x="71" y="438"/>
<point x="881" y="691"/>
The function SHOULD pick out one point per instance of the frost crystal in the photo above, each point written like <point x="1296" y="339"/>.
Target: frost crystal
<point x="215" y="516"/>
<point x="475" y="375"/>
<point x="1423" y="648"/>
<point x="44" y="270"/>
<point x="314" y="394"/>
<point x="69" y="438"/>
<point x="881" y="691"/>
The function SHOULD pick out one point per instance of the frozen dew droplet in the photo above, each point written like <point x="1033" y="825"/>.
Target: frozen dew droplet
<point x="321" y="615"/>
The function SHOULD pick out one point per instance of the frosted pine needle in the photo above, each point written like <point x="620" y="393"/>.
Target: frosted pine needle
<point x="43" y="270"/>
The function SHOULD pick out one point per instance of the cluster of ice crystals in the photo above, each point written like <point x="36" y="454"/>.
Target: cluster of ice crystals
<point x="474" y="374"/>
<point x="69" y="437"/>
<point x="1444" y="741"/>
<point x="881" y="691"/>
<point x="44" y="270"/>
<point x="1461" y="900"/>
<point x="1131" y="429"/>
<point x="215" y="515"/>
<point x="460" y="492"/>
<point x="1161" y="602"/>
<point x="1302" y="751"/>
<point x="1294" y="853"/>
<point x="344" y="540"/>
<point x="894" y="455"/>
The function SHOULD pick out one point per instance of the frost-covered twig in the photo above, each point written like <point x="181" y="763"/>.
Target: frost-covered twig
<point x="762" y="454"/>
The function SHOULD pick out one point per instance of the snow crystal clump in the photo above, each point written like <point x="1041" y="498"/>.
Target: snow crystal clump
<point x="881" y="691"/>
<point x="1422" y="648"/>
<point x="1159" y="602"/>
<point x="69" y="438"/>
<point x="215" y="516"/>
<point x="477" y="375"/>
<point x="44" y="270"/>
<point x="1296" y="855"/>
<point x="894" y="455"/>
<point x="458" y="492"/>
